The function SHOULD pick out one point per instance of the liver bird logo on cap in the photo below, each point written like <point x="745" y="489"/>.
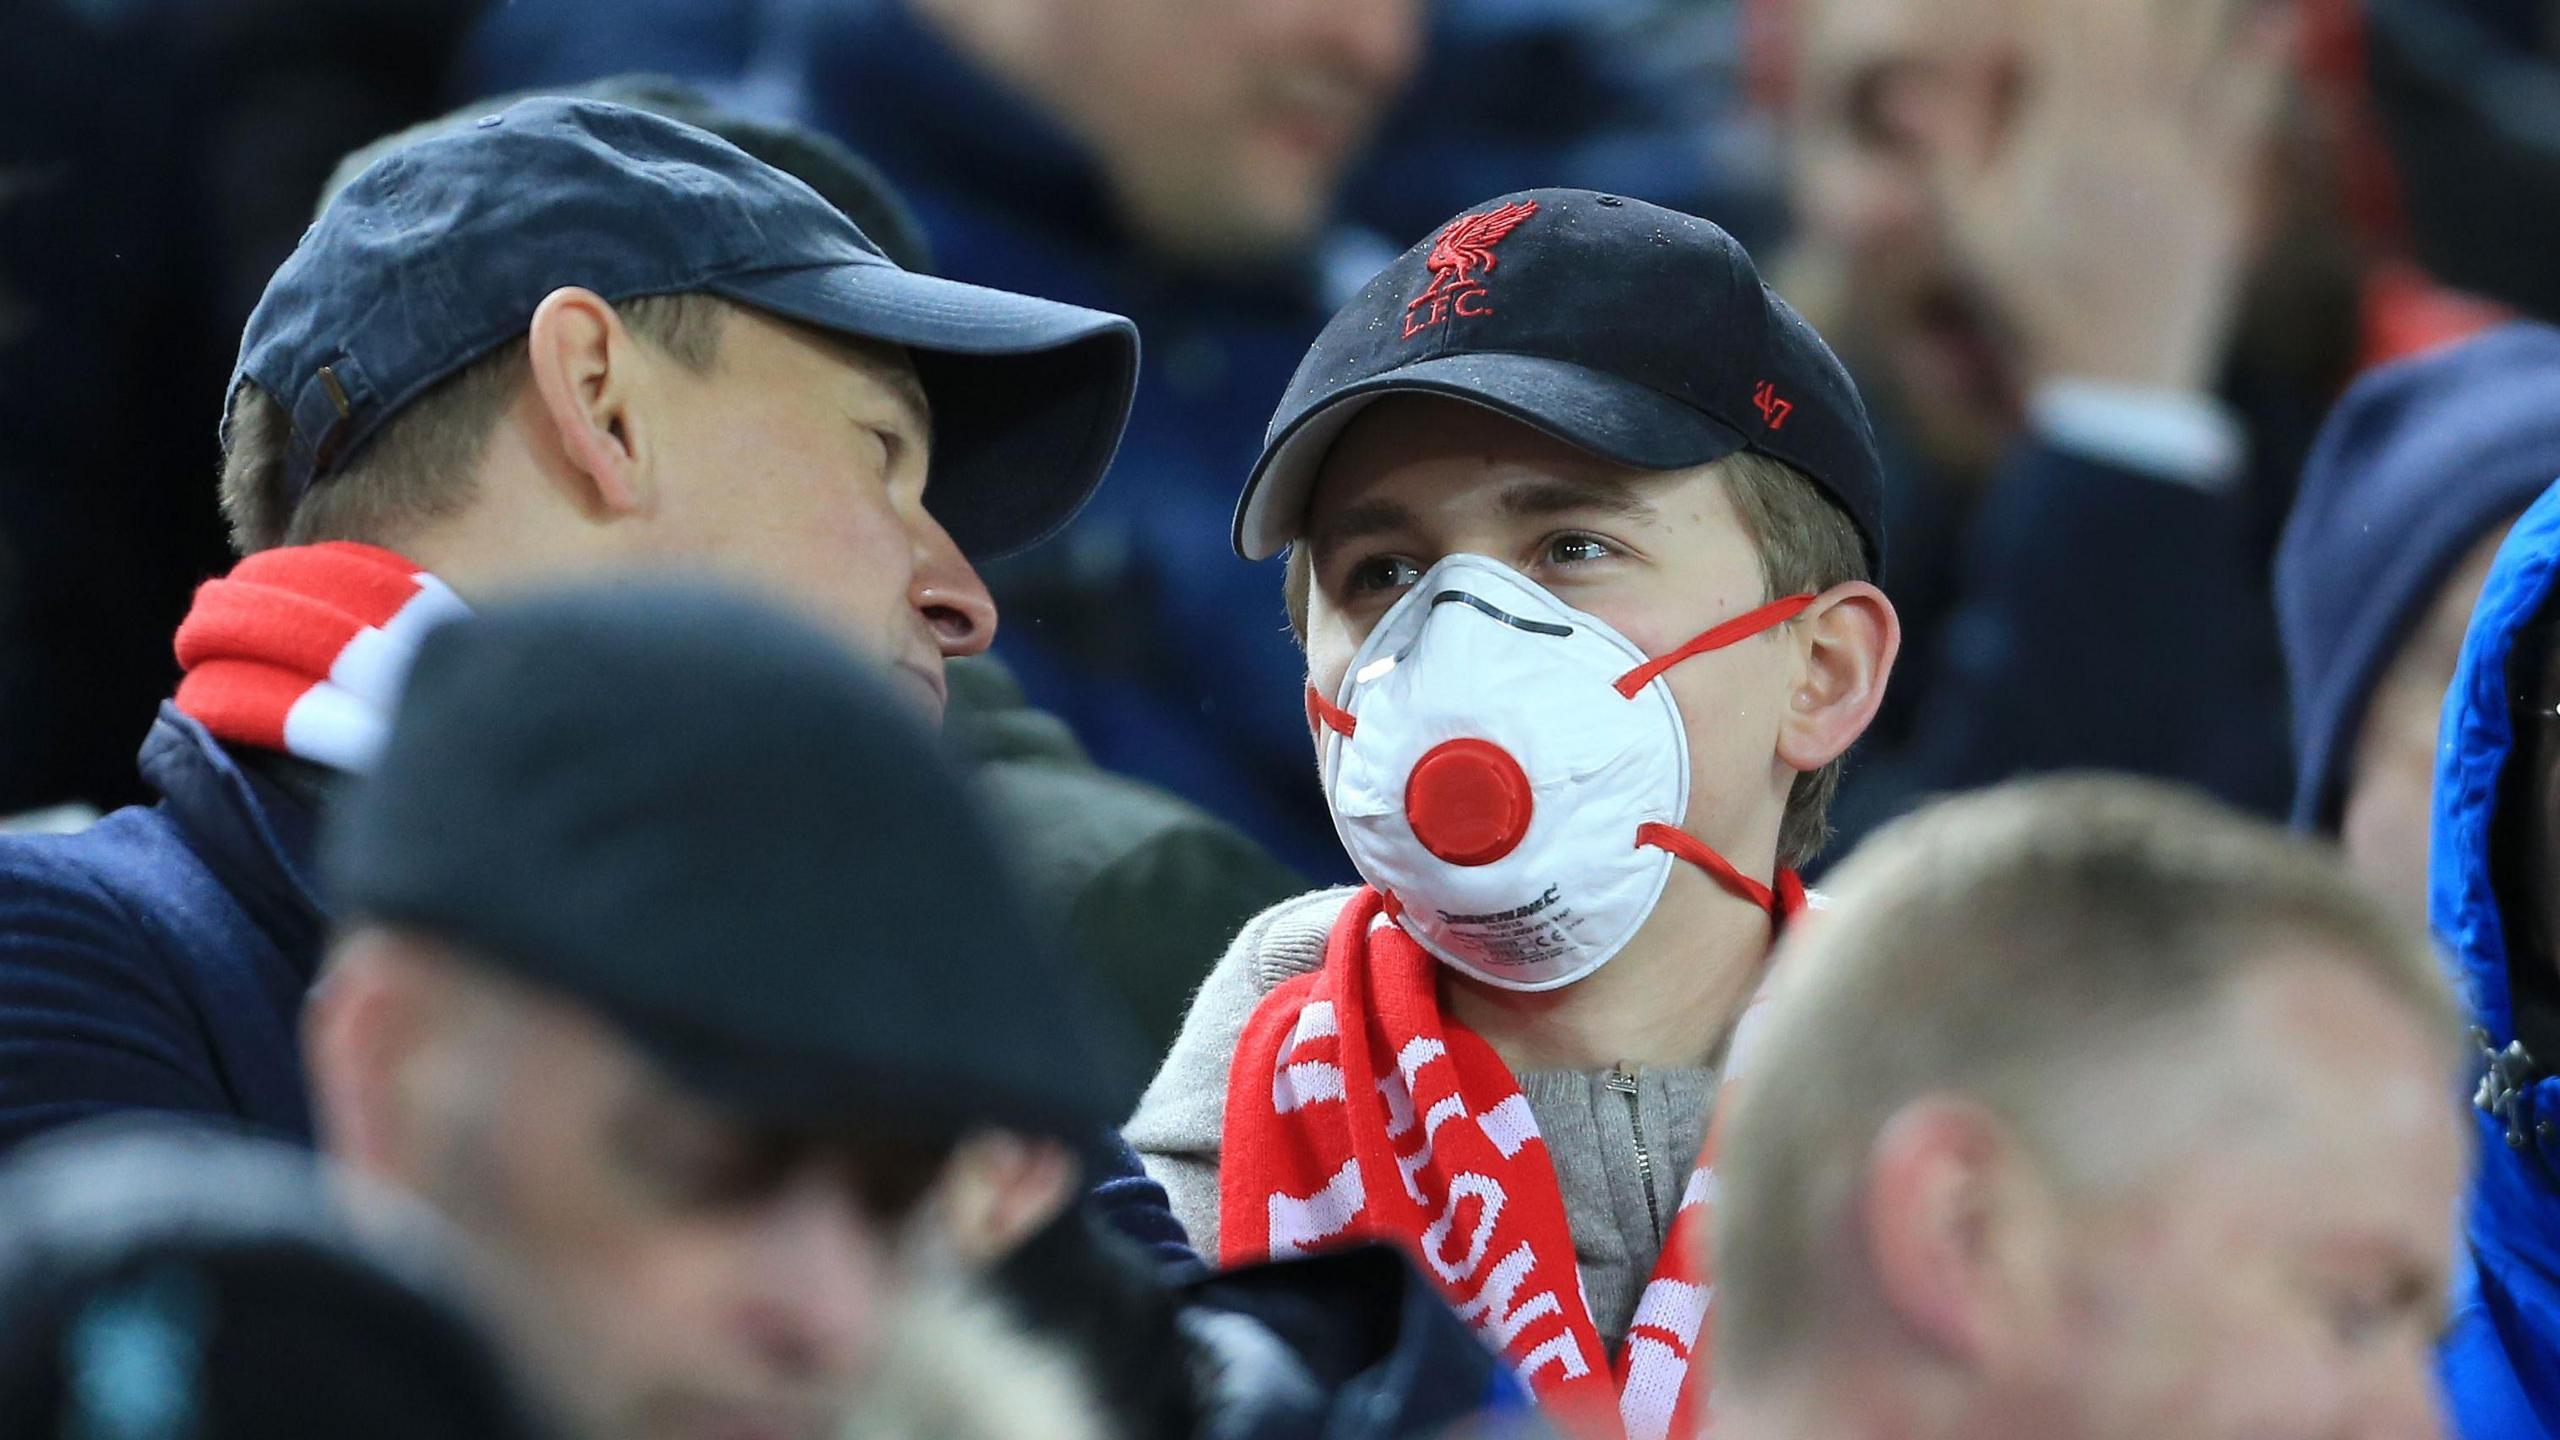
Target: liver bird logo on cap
<point x="1458" y="261"/>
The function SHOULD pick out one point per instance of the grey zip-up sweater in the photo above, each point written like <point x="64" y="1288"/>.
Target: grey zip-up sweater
<point x="1623" y="1142"/>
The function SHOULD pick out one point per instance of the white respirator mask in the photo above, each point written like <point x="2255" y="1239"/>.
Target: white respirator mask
<point x="1512" y="774"/>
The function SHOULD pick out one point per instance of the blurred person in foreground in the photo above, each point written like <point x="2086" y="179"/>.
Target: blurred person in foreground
<point x="2416" y="476"/>
<point x="635" y="984"/>
<point x="1581" y="522"/>
<point x="2093" y="260"/>
<point x="571" y="339"/>
<point x="1172" y="160"/>
<point x="2090" y="1109"/>
<point x="621" y="1000"/>
<point x="160" y="1280"/>
<point x="2496" y="908"/>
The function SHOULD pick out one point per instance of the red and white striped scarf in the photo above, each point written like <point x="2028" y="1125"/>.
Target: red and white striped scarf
<point x="303" y="649"/>
<point x="1357" y="1111"/>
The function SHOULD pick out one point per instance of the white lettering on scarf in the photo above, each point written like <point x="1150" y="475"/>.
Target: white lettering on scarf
<point x="1298" y="1226"/>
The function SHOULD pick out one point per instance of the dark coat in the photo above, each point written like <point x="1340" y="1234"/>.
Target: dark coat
<point x="158" y="959"/>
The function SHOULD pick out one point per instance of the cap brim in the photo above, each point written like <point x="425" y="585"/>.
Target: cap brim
<point x="1084" y="1081"/>
<point x="1615" y="419"/>
<point x="1029" y="396"/>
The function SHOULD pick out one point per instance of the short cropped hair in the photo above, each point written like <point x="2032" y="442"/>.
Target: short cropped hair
<point x="420" y="465"/>
<point x="1807" y="544"/>
<point x="2012" y="947"/>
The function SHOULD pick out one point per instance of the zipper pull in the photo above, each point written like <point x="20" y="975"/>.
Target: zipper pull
<point x="1619" y="1079"/>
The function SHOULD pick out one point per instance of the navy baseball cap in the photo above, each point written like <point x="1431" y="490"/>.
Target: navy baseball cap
<point x="1640" y="334"/>
<point x="440" y="251"/>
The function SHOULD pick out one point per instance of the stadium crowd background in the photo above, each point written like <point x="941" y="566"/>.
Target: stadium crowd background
<point x="2186" y="476"/>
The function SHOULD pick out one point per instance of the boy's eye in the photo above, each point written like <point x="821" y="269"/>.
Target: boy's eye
<point x="1577" y="550"/>
<point x="1382" y="572"/>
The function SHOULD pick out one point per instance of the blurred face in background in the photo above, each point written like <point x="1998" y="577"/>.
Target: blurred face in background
<point x="663" y="1270"/>
<point x="2387" y="811"/>
<point x="2283" y="1277"/>
<point x="1224" y="126"/>
<point x="1872" y="238"/>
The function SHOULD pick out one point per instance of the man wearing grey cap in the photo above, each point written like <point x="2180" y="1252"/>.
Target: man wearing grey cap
<point x="569" y="339"/>
<point x="667" y="1014"/>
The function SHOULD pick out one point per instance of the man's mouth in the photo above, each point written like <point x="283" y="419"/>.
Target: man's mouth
<point x="1316" y="110"/>
<point x="937" y="689"/>
<point x="1954" y="342"/>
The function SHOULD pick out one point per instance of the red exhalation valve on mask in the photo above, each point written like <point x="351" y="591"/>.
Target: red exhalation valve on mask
<point x="1468" y="802"/>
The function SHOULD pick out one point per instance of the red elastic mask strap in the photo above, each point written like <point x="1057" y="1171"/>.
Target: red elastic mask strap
<point x="1784" y="901"/>
<point x="1740" y="627"/>
<point x="1321" y="711"/>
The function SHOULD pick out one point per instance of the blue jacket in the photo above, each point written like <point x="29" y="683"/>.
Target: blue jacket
<point x="2078" y="615"/>
<point x="158" y="959"/>
<point x="1170" y="657"/>
<point x="2501" y="1364"/>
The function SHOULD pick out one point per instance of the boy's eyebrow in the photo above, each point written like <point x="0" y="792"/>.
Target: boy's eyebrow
<point x="1554" y="495"/>
<point x="1535" y="498"/>
<point x="1357" y="522"/>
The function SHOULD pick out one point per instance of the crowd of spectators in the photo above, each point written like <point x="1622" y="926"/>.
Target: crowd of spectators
<point x="513" y="949"/>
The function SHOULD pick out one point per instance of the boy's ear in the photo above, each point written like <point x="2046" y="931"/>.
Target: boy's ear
<point x="1849" y="637"/>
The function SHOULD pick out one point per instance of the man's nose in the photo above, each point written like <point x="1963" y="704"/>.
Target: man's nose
<point x="812" y="1309"/>
<point x="949" y="595"/>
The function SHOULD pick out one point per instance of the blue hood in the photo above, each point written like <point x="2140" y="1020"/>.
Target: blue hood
<point x="2502" y="1362"/>
<point x="2418" y="460"/>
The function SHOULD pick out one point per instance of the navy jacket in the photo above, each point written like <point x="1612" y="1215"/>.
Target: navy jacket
<point x="1169" y="657"/>
<point x="158" y="959"/>
<point x="2078" y="615"/>
<point x="2501" y="1364"/>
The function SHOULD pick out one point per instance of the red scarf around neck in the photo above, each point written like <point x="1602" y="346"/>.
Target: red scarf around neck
<point x="1356" y="1110"/>
<point x="303" y="649"/>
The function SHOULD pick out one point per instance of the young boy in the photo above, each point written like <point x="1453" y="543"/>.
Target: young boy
<point x="1581" y="523"/>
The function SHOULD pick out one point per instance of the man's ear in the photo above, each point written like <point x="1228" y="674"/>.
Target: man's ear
<point x="999" y="1189"/>
<point x="1949" y="1210"/>
<point x="1850" y="637"/>
<point x="361" y="1031"/>
<point x="593" y="379"/>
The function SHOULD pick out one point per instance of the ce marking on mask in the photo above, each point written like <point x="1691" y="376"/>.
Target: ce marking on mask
<point x="1524" y="934"/>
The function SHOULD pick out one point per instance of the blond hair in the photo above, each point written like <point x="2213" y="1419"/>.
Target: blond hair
<point x="1806" y="544"/>
<point x="2014" y="947"/>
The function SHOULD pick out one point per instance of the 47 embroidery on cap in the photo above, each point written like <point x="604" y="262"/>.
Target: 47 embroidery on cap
<point x="1458" y="262"/>
<point x="1773" y="411"/>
